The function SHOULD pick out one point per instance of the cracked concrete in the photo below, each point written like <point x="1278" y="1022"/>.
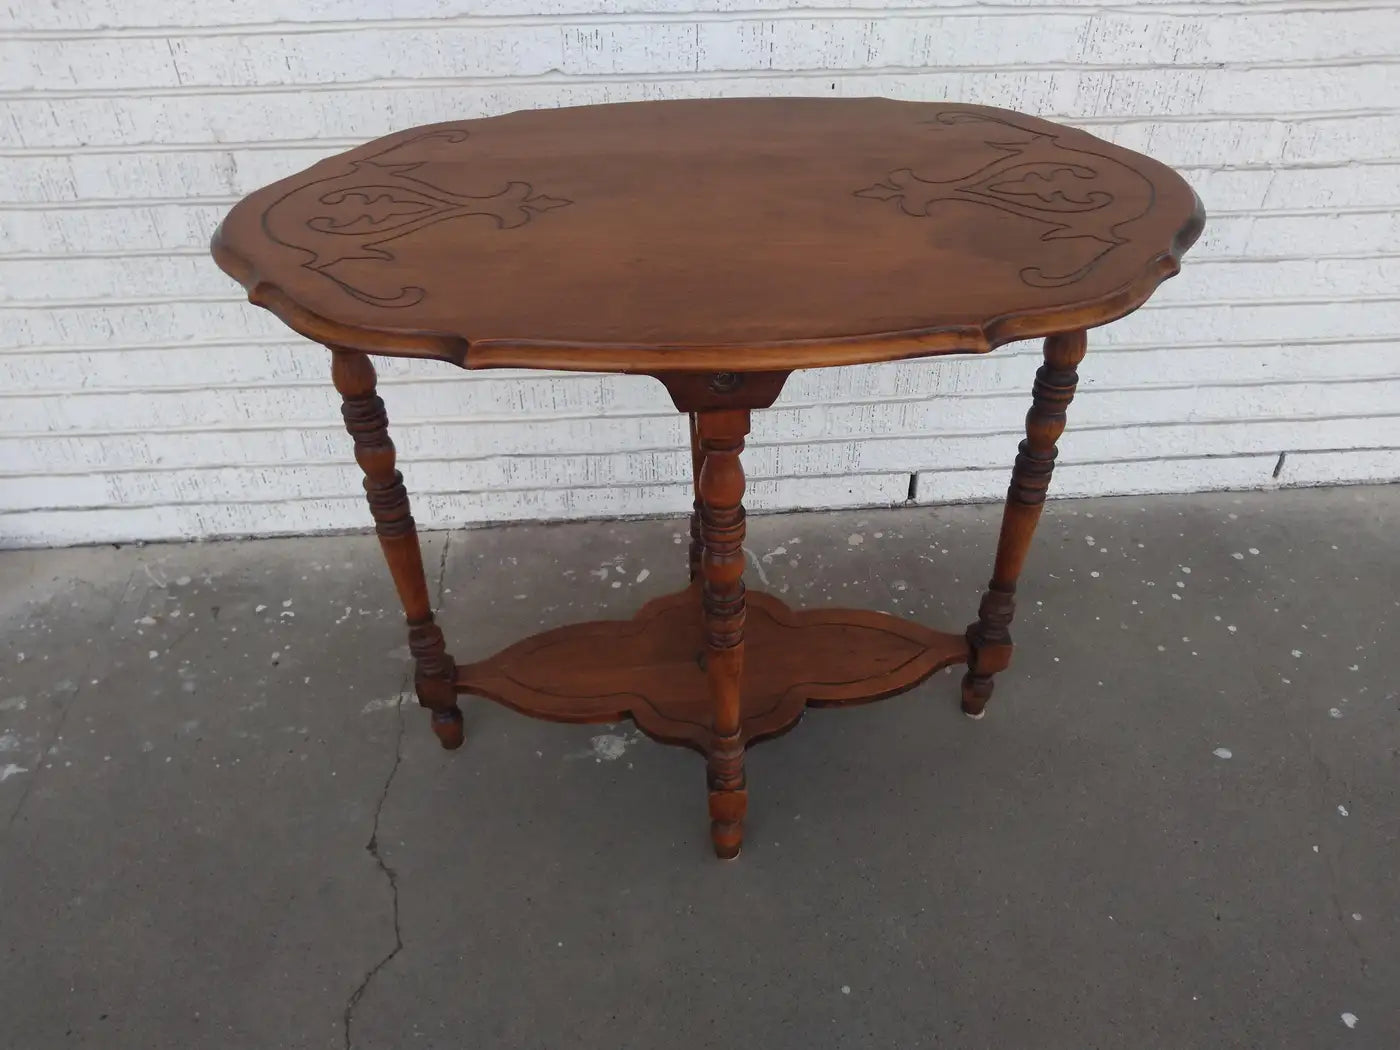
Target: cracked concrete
<point x="1176" y="827"/>
<point x="372" y="848"/>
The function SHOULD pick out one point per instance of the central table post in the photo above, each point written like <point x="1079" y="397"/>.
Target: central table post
<point x="721" y="493"/>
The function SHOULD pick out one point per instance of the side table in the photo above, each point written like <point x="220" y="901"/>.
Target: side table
<point x="715" y="245"/>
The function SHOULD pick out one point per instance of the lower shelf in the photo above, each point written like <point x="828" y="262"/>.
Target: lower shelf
<point x="651" y="668"/>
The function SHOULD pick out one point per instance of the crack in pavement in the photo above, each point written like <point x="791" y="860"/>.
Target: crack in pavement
<point x="372" y="846"/>
<point x="442" y="571"/>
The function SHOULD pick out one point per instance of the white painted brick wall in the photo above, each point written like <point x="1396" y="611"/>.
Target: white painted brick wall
<point x="140" y="398"/>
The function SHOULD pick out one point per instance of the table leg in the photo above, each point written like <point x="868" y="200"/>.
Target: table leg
<point x="697" y="460"/>
<point x="989" y="639"/>
<point x="721" y="493"/>
<point x="368" y="424"/>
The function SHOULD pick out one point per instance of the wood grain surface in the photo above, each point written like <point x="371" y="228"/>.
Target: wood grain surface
<point x="652" y="668"/>
<point x="734" y="234"/>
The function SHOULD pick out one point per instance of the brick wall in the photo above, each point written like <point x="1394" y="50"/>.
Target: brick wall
<point x="140" y="398"/>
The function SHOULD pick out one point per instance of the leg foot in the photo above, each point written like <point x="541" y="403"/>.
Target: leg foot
<point x="447" y="724"/>
<point x="727" y="834"/>
<point x="729" y="796"/>
<point x="976" y="691"/>
<point x="989" y="649"/>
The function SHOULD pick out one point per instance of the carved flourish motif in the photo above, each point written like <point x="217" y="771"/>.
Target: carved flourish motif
<point x="379" y="200"/>
<point x="1035" y="178"/>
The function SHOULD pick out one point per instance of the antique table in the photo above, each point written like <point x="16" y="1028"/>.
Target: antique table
<point x="715" y="245"/>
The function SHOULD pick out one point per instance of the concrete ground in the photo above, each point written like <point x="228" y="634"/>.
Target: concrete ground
<point x="1176" y="828"/>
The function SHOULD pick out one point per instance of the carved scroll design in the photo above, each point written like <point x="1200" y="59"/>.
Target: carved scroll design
<point x="1076" y="192"/>
<point x="378" y="200"/>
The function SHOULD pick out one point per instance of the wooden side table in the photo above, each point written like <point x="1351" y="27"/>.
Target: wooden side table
<point x="716" y="246"/>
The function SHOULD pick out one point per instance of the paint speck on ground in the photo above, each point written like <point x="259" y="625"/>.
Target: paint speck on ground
<point x="1232" y="628"/>
<point x="1297" y="653"/>
<point x="1343" y="811"/>
<point x="259" y="608"/>
<point x="14" y="703"/>
<point x="855" y="539"/>
<point x="1349" y="1019"/>
<point x="388" y="703"/>
<point x="183" y="581"/>
<point x="609" y="747"/>
<point x="9" y="770"/>
<point x="642" y="576"/>
<point x="845" y="989"/>
<point x="1223" y="752"/>
<point x="1254" y="551"/>
<point x="1094" y="574"/>
<point x="152" y="654"/>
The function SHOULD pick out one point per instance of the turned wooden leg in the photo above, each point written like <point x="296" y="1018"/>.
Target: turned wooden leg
<point x="697" y="459"/>
<point x="989" y="639"/>
<point x="365" y="419"/>
<point x="721" y="491"/>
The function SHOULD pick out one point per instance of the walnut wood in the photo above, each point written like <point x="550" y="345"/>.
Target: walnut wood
<point x="693" y="391"/>
<point x="715" y="245"/>
<point x="730" y="235"/>
<point x="368" y="424"/>
<point x="721" y="433"/>
<point x="697" y="459"/>
<point x="651" y="668"/>
<point x="989" y="638"/>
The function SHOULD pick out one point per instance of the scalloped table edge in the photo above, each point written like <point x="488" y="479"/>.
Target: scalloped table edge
<point x="772" y="356"/>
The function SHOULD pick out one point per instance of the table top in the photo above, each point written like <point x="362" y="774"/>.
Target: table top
<point x="735" y="234"/>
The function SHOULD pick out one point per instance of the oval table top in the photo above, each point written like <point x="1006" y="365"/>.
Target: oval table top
<point x="735" y="234"/>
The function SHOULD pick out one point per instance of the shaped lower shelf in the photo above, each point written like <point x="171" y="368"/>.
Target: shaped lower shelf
<point x="651" y="668"/>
